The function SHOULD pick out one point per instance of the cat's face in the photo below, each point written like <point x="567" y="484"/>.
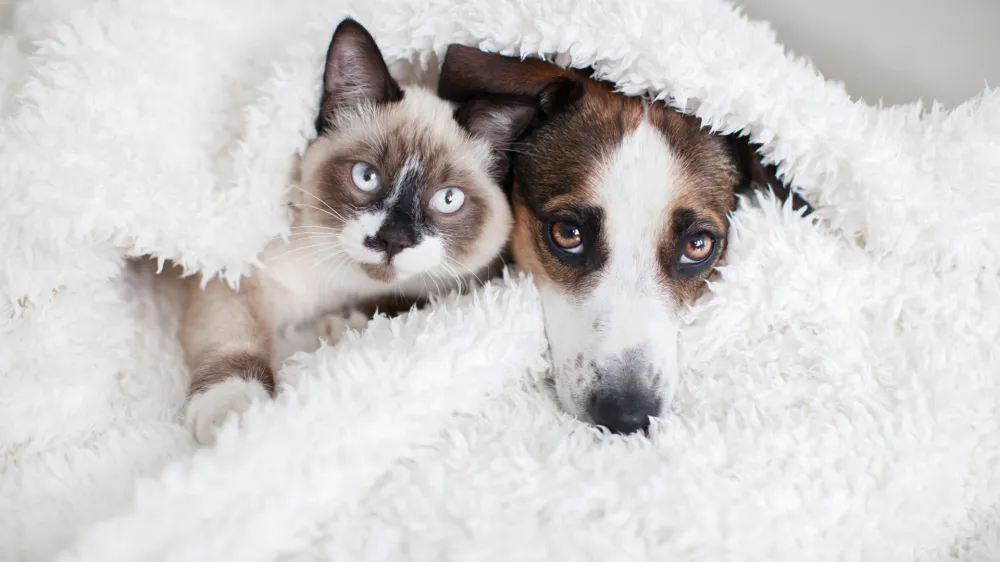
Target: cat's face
<point x="393" y="181"/>
<point x="407" y="190"/>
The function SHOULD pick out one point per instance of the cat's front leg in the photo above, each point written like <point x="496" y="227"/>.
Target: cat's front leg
<point x="227" y="343"/>
<point x="231" y="385"/>
<point x="307" y="336"/>
<point x="332" y="327"/>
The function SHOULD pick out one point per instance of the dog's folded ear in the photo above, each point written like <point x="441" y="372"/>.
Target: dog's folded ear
<point x="468" y="73"/>
<point x="498" y="119"/>
<point x="758" y="176"/>
<point x="501" y="120"/>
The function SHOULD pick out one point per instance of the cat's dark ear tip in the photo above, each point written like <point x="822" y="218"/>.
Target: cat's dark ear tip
<point x="349" y="23"/>
<point x="350" y="27"/>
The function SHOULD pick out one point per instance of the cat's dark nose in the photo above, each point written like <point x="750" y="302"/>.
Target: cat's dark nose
<point x="623" y="409"/>
<point x="395" y="236"/>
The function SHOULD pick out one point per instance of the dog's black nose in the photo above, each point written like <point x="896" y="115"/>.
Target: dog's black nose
<point x="623" y="410"/>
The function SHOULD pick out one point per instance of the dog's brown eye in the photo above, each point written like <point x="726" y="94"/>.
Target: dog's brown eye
<point x="567" y="236"/>
<point x="697" y="249"/>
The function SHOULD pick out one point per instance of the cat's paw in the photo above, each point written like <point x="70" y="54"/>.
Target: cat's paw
<point x="207" y="410"/>
<point x="332" y="327"/>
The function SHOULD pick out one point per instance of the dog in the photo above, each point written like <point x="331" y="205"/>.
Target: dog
<point x="621" y="209"/>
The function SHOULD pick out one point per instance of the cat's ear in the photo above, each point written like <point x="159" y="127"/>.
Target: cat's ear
<point x="355" y="73"/>
<point x="501" y="120"/>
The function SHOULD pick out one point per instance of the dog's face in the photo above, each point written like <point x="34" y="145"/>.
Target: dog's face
<point x="620" y="227"/>
<point x="621" y="214"/>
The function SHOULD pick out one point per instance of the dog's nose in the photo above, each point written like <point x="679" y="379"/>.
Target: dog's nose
<point x="623" y="409"/>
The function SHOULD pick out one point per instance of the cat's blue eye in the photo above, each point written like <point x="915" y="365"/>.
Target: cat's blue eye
<point x="366" y="177"/>
<point x="447" y="200"/>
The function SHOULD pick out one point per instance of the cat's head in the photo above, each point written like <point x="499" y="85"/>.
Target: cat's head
<point x="397" y="181"/>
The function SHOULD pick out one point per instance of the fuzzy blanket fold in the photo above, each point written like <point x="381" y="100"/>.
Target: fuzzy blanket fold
<point x="840" y="389"/>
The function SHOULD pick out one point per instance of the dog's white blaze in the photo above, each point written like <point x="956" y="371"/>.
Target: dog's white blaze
<point x="629" y="307"/>
<point x="636" y="191"/>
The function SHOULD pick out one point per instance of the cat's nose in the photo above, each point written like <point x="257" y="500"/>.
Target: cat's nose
<point x="392" y="239"/>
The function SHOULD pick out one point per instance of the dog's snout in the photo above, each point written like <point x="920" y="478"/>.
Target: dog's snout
<point x="623" y="410"/>
<point x="625" y="399"/>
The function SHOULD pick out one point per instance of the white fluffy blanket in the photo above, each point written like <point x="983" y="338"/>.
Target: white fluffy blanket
<point x="840" y="383"/>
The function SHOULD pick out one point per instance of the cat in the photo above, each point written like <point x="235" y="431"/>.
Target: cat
<point x="398" y="192"/>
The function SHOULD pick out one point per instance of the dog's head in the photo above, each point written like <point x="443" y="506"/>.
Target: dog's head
<point x="621" y="214"/>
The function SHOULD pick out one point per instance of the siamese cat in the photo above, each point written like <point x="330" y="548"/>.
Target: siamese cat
<point x="398" y="193"/>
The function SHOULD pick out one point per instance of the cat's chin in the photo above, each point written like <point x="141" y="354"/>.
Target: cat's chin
<point x="381" y="272"/>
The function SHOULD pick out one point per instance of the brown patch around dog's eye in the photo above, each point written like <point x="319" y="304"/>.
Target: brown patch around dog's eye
<point x="534" y="249"/>
<point x="694" y="234"/>
<point x="523" y="246"/>
<point x="698" y="248"/>
<point x="567" y="236"/>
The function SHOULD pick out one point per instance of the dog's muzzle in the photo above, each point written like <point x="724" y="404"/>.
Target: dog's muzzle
<point x="624" y="398"/>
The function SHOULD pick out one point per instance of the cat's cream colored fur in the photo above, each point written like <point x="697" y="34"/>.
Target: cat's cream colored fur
<point x="228" y="336"/>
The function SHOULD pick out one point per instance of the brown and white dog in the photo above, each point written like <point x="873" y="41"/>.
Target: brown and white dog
<point x="621" y="213"/>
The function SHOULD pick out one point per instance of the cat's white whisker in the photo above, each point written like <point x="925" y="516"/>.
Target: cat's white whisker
<point x="332" y="243"/>
<point x="465" y="269"/>
<point x="324" y="203"/>
<point x="315" y="227"/>
<point x="335" y="215"/>
<point x="447" y="281"/>
<point x="454" y="276"/>
<point x="315" y="236"/>
<point x="302" y="230"/>
<point x="305" y="234"/>
<point x="296" y="237"/>
<point x="313" y="257"/>
<point x="334" y="270"/>
<point x="433" y="279"/>
<point x="332" y="249"/>
<point x="337" y="253"/>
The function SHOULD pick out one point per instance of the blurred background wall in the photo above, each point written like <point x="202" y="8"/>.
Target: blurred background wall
<point x="896" y="51"/>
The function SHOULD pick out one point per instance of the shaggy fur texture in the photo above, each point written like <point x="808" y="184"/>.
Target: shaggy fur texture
<point x="839" y="391"/>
